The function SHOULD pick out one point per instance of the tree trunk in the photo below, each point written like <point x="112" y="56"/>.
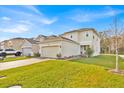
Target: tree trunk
<point x="117" y="66"/>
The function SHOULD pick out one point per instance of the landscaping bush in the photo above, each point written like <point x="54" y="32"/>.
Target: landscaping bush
<point x="59" y="55"/>
<point x="89" y="52"/>
<point x="37" y="54"/>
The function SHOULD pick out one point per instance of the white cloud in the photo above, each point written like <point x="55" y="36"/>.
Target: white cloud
<point x="24" y="20"/>
<point x="19" y="28"/>
<point x="87" y="16"/>
<point x="34" y="16"/>
<point x="49" y="21"/>
<point x="34" y="9"/>
<point x="6" y="18"/>
<point x="40" y="16"/>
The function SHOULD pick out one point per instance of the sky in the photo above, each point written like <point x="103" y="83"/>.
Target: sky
<point x="31" y="21"/>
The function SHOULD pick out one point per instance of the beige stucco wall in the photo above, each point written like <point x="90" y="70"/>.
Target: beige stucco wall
<point x="73" y="34"/>
<point x="70" y="49"/>
<point x="35" y="48"/>
<point x="81" y="38"/>
<point x="96" y="45"/>
<point x="26" y="44"/>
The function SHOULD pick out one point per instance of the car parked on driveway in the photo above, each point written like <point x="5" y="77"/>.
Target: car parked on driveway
<point x="1" y="55"/>
<point x="5" y="52"/>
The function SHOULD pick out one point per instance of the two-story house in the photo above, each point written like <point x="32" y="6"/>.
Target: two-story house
<point x="86" y="37"/>
<point x="71" y="43"/>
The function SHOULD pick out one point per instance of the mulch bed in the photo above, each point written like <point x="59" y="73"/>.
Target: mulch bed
<point x="2" y="77"/>
<point x="120" y="72"/>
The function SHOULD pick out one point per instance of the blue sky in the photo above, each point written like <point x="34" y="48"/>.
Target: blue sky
<point x="30" y="21"/>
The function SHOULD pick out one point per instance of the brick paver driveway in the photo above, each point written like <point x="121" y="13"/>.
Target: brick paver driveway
<point x="13" y="64"/>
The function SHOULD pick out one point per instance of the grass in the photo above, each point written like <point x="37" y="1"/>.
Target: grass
<point x="107" y="61"/>
<point x="60" y="74"/>
<point x="9" y="59"/>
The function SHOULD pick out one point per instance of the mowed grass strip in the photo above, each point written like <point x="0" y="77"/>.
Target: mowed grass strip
<point x="9" y="59"/>
<point x="60" y="74"/>
<point x="107" y="61"/>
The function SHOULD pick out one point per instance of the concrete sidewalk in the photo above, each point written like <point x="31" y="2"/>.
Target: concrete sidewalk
<point x="13" y="64"/>
<point x="122" y="56"/>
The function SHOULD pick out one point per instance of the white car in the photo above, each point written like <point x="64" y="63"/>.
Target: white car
<point x="4" y="52"/>
<point x="1" y="57"/>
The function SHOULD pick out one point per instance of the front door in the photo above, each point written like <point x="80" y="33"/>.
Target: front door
<point x="84" y="48"/>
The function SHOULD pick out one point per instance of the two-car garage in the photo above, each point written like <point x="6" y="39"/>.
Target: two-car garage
<point x="50" y="51"/>
<point x="59" y="46"/>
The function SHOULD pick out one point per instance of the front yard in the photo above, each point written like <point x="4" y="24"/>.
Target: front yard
<point x="9" y="59"/>
<point x="107" y="61"/>
<point x="67" y="74"/>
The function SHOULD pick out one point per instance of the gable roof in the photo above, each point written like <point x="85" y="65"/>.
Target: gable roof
<point x="83" y="29"/>
<point x="57" y="38"/>
<point x="40" y="36"/>
<point x="32" y="41"/>
<point x="12" y="39"/>
<point x="51" y="36"/>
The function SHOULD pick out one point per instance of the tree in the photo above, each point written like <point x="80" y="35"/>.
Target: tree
<point x="105" y="42"/>
<point x="116" y="30"/>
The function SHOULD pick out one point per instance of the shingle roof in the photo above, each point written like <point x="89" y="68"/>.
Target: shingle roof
<point x="58" y="38"/>
<point x="51" y="36"/>
<point x="41" y="36"/>
<point x="18" y="38"/>
<point x="83" y="29"/>
<point x="32" y="41"/>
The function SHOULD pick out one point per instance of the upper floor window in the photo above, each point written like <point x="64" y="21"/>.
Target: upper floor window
<point x="71" y="36"/>
<point x="93" y="37"/>
<point x="87" y="35"/>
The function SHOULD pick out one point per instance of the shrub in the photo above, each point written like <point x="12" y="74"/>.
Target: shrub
<point x="37" y="54"/>
<point x="59" y="55"/>
<point x="89" y="52"/>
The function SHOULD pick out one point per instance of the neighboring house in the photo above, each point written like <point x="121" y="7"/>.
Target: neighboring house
<point x="108" y="43"/>
<point x="87" y="37"/>
<point x="15" y="43"/>
<point x="30" y="47"/>
<point x="57" y="45"/>
<point x="40" y="38"/>
<point x="112" y="44"/>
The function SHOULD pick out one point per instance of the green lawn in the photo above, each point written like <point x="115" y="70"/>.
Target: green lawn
<point x="106" y="61"/>
<point x="60" y="73"/>
<point x="14" y="58"/>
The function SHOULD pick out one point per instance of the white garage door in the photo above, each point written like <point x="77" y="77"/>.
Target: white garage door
<point x="27" y="51"/>
<point x="51" y="51"/>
